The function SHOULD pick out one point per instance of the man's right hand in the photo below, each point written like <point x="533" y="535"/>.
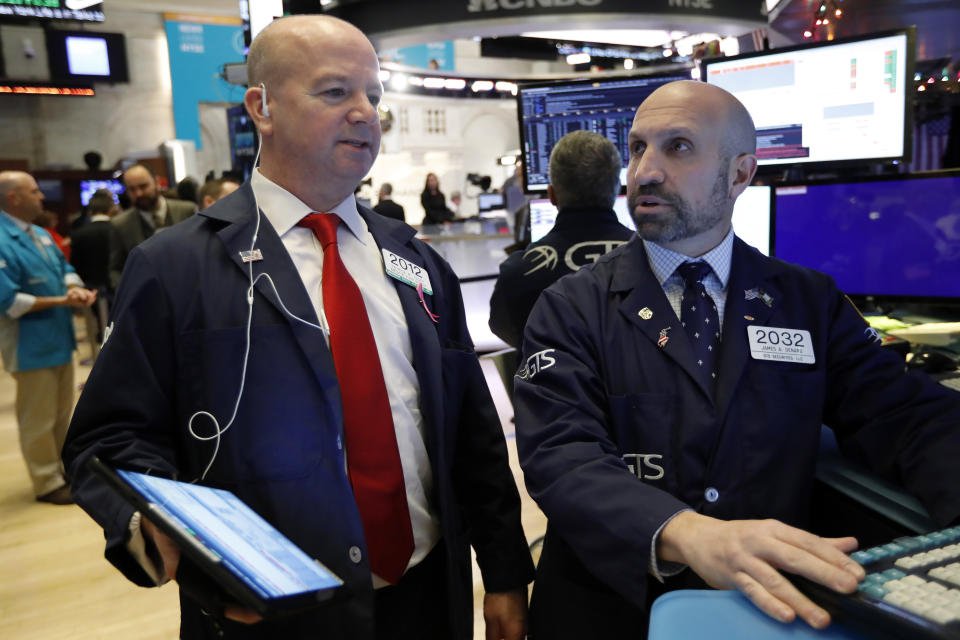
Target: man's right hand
<point x="748" y="554"/>
<point x="170" y="555"/>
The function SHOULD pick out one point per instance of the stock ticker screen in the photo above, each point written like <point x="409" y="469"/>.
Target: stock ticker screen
<point x="550" y="111"/>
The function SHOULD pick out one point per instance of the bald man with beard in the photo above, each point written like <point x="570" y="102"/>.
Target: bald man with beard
<point x="668" y="442"/>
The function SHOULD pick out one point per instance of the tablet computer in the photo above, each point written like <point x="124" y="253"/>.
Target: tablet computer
<point x="254" y="564"/>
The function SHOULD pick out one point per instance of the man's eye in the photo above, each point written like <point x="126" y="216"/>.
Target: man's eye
<point x="336" y="92"/>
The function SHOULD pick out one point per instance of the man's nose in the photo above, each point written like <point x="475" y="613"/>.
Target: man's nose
<point x="648" y="168"/>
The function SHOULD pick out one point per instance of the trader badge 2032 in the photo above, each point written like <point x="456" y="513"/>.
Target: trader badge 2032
<point x="781" y="344"/>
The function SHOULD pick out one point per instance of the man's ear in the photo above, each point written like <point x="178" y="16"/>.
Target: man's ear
<point x="743" y="169"/>
<point x="552" y="195"/>
<point x="253" y="101"/>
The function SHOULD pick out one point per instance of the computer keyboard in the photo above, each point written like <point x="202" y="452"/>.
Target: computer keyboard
<point x="912" y="589"/>
<point x="952" y="382"/>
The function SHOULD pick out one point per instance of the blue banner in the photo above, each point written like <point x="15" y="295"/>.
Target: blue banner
<point x="197" y="54"/>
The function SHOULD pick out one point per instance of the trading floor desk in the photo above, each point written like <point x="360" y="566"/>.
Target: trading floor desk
<point x="475" y="252"/>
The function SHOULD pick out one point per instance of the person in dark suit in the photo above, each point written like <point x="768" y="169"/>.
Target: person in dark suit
<point x="214" y="189"/>
<point x="93" y="251"/>
<point x="584" y="183"/>
<point x="435" y="210"/>
<point x="94" y="243"/>
<point x="149" y="212"/>
<point x="386" y="206"/>
<point x="671" y="450"/>
<point x="261" y="262"/>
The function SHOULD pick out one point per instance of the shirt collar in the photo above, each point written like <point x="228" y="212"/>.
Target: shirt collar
<point x="284" y="210"/>
<point x="21" y="224"/>
<point x="663" y="262"/>
<point x="100" y="217"/>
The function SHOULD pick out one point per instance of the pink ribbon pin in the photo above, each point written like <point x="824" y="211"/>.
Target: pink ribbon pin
<point x="423" y="301"/>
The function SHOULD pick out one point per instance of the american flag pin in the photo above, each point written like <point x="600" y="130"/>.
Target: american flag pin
<point x="664" y="338"/>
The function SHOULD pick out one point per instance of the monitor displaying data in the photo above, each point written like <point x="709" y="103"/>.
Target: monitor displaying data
<point x="751" y="217"/>
<point x="840" y="101"/>
<point x="89" y="187"/>
<point x="548" y="112"/>
<point x="892" y="237"/>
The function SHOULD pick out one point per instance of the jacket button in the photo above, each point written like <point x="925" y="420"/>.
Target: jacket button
<point x="711" y="494"/>
<point x="355" y="555"/>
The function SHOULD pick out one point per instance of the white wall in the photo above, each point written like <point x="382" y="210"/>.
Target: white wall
<point x="52" y="130"/>
<point x="449" y="137"/>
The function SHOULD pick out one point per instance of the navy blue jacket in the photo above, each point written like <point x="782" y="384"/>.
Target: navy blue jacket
<point x="578" y="238"/>
<point x="616" y="431"/>
<point x="177" y="346"/>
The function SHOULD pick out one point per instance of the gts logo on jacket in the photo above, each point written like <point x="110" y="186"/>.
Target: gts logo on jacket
<point x="644" y="465"/>
<point x="536" y="363"/>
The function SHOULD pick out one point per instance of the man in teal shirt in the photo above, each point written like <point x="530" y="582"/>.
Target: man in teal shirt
<point x="37" y="287"/>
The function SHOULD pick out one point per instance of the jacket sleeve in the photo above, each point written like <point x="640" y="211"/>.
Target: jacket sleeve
<point x="506" y="316"/>
<point x="125" y="411"/>
<point x="904" y="426"/>
<point x="485" y="488"/>
<point x="571" y="462"/>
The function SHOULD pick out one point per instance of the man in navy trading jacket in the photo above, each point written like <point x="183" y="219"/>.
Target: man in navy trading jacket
<point x="663" y="431"/>
<point x="361" y="424"/>
<point x="584" y="183"/>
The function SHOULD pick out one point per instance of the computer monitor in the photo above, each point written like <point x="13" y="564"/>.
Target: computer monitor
<point x="87" y="56"/>
<point x="543" y="215"/>
<point x="894" y="237"/>
<point x="547" y="112"/>
<point x="489" y="201"/>
<point x="844" y="101"/>
<point x="89" y="187"/>
<point x="751" y="217"/>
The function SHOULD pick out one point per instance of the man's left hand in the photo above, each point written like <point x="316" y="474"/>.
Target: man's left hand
<point x="505" y="615"/>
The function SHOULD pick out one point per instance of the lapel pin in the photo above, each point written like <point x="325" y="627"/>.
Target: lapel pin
<point x="757" y="293"/>
<point x="645" y="313"/>
<point x="251" y="256"/>
<point x="664" y="338"/>
<point x="750" y="318"/>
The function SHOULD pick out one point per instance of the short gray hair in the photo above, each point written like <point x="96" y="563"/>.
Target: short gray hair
<point x="585" y="170"/>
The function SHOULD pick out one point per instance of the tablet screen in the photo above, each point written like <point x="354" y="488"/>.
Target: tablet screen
<point x="244" y="542"/>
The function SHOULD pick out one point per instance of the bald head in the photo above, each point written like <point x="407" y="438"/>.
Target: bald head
<point x="709" y="103"/>
<point x="20" y="196"/>
<point x="284" y="40"/>
<point x="10" y="181"/>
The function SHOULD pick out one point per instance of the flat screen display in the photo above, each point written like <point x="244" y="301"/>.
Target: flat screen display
<point x="548" y="112"/>
<point x="489" y="201"/>
<point x="751" y="217"/>
<point x="836" y="102"/>
<point x="896" y="237"/>
<point x="87" y="56"/>
<point x="268" y="562"/>
<point x="89" y="187"/>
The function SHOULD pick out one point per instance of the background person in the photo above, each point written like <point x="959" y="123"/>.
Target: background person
<point x="584" y="183"/>
<point x="386" y="206"/>
<point x="37" y="287"/>
<point x="435" y="210"/>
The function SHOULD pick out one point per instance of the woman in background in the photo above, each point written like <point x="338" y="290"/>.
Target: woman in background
<point x="435" y="210"/>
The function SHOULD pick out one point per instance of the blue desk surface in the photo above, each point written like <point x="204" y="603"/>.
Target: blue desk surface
<point x="727" y="615"/>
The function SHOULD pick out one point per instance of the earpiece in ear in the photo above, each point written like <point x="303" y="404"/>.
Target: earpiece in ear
<point x="263" y="100"/>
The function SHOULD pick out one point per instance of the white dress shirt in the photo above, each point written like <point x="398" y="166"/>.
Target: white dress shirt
<point x="362" y="258"/>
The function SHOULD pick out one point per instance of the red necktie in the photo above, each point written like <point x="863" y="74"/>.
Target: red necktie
<point x="373" y="460"/>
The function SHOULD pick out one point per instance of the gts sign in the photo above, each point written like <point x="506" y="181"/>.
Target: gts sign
<point x="476" y="6"/>
<point x="644" y="465"/>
